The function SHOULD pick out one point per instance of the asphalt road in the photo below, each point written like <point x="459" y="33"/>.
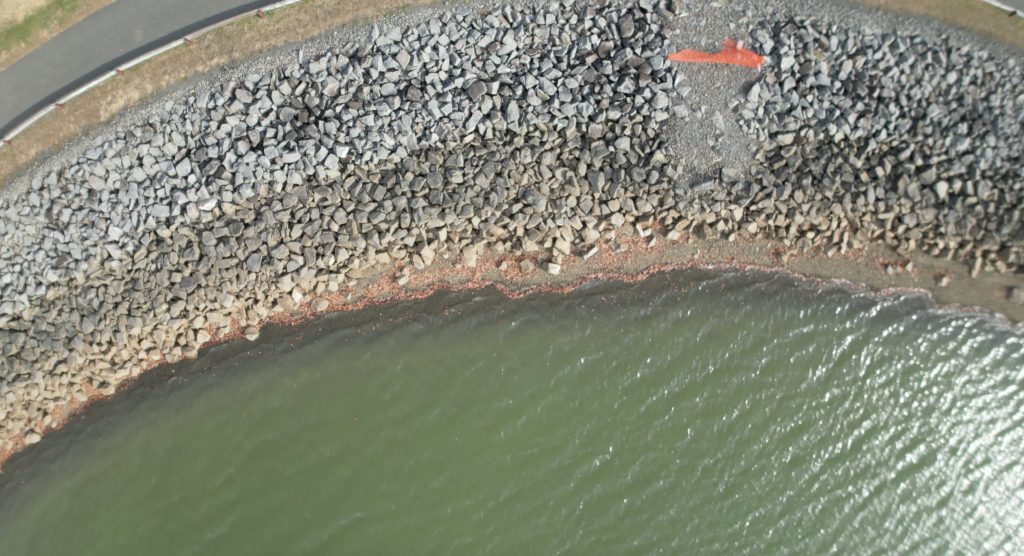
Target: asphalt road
<point x="99" y="43"/>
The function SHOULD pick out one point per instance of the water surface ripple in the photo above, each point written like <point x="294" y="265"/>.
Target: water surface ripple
<point x="693" y="413"/>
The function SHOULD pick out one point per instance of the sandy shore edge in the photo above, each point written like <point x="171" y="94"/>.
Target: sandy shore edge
<point x="877" y="270"/>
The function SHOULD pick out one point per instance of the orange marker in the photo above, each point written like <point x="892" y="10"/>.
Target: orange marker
<point x="731" y="53"/>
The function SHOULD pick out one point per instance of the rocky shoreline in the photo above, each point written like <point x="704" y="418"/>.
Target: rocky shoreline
<point x="533" y="134"/>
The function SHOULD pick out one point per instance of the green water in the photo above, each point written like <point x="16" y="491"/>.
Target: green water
<point x="692" y="414"/>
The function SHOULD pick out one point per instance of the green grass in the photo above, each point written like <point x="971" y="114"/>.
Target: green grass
<point x="51" y="13"/>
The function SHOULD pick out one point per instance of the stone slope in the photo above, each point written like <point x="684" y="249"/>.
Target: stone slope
<point x="538" y="128"/>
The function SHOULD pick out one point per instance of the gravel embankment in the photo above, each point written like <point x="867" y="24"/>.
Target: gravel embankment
<point x="880" y="137"/>
<point x="532" y="128"/>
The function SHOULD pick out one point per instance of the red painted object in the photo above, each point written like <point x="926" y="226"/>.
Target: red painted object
<point x="731" y="53"/>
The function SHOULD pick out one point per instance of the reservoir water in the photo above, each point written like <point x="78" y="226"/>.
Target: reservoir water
<point x="738" y="413"/>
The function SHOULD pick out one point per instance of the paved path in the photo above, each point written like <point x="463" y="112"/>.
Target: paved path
<point x="99" y="43"/>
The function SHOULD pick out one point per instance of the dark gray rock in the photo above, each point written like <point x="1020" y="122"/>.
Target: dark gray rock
<point x="476" y="90"/>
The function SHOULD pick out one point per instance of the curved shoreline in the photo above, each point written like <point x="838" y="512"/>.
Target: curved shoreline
<point x="629" y="267"/>
<point x="275" y="196"/>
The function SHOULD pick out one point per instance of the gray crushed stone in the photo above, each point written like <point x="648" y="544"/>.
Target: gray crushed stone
<point x="521" y="128"/>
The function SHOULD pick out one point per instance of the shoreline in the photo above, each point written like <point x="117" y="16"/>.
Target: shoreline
<point x="634" y="265"/>
<point x="276" y="191"/>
